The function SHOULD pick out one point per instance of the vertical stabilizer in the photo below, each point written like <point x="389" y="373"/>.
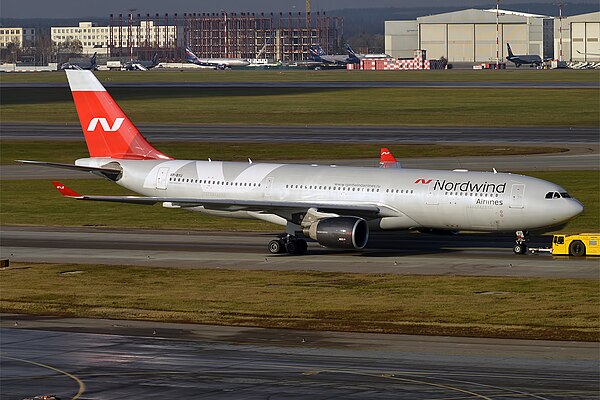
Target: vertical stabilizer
<point x="108" y="131"/>
<point x="510" y="53"/>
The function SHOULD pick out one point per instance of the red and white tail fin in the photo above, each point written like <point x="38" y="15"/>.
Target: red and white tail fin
<point x="387" y="159"/>
<point x="107" y="130"/>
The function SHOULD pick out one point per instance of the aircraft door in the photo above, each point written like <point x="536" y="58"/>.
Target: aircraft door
<point x="162" y="177"/>
<point x="433" y="196"/>
<point x="268" y="186"/>
<point x="516" y="195"/>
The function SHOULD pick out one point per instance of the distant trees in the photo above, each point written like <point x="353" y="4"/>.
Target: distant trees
<point x="42" y="52"/>
<point x="367" y="42"/>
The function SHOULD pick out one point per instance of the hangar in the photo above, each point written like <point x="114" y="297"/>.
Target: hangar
<point x="470" y="35"/>
<point x="580" y="37"/>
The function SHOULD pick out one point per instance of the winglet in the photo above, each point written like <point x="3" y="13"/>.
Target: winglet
<point x="65" y="191"/>
<point x="387" y="159"/>
<point x="386" y="155"/>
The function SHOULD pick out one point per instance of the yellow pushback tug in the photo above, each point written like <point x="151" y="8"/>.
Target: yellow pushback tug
<point x="583" y="244"/>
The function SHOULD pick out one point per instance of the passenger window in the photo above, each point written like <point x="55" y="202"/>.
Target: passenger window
<point x="549" y="195"/>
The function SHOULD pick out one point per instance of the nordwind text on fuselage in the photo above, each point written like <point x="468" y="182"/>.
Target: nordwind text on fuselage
<point x="469" y="186"/>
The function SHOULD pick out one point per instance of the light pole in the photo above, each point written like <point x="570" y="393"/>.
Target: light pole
<point x="226" y="37"/>
<point x="560" y="44"/>
<point x="497" y="34"/>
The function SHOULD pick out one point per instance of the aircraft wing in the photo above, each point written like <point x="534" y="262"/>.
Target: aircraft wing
<point x="282" y="208"/>
<point x="139" y="67"/>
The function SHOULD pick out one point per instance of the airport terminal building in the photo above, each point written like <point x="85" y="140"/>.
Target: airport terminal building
<point x="470" y="35"/>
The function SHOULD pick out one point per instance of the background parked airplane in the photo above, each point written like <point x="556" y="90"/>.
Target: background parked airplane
<point x="521" y="59"/>
<point x="317" y="54"/>
<point x="141" y="65"/>
<point x="219" y="63"/>
<point x="87" y="65"/>
<point x="335" y="206"/>
<point x="355" y="57"/>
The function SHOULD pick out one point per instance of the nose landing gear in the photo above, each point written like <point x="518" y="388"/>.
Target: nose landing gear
<point x="288" y="243"/>
<point x="520" y="246"/>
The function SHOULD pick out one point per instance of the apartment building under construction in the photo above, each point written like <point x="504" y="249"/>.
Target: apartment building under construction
<point x="280" y="37"/>
<point x="275" y="36"/>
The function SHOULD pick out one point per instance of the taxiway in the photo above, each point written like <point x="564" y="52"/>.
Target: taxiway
<point x="113" y="359"/>
<point x="397" y="253"/>
<point x="323" y="85"/>
<point x="318" y="134"/>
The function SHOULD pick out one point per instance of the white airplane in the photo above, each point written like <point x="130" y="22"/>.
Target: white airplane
<point x="218" y="63"/>
<point x="335" y="206"/>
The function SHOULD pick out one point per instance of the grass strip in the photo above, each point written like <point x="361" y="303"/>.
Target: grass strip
<point x="36" y="202"/>
<point x="68" y="151"/>
<point x="527" y="308"/>
<point x="290" y="75"/>
<point x="487" y="107"/>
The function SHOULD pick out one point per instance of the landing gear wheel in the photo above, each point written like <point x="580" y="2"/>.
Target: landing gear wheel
<point x="520" y="248"/>
<point x="302" y="246"/>
<point x="276" y="246"/>
<point x="577" y="248"/>
<point x="296" y="247"/>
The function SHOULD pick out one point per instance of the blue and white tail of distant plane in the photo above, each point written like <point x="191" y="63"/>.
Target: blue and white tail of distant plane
<point x="190" y="56"/>
<point x="316" y="52"/>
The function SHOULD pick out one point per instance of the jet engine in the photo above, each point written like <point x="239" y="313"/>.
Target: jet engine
<point x="340" y="232"/>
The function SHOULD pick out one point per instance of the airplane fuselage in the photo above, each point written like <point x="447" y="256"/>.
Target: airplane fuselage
<point x="525" y="60"/>
<point x="226" y="62"/>
<point x="409" y="198"/>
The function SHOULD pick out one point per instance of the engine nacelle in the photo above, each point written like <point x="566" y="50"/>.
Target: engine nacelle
<point x="340" y="232"/>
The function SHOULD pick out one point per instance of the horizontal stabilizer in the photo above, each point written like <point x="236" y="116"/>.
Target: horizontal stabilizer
<point x="112" y="174"/>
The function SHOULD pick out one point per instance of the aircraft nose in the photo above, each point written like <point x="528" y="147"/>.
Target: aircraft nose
<point x="574" y="208"/>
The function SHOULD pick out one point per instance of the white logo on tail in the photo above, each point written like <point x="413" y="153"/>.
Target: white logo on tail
<point x="104" y="124"/>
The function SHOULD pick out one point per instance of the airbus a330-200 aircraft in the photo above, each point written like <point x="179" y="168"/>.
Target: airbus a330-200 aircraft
<point x="333" y="205"/>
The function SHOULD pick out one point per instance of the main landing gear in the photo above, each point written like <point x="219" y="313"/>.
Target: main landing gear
<point x="288" y="243"/>
<point x="520" y="246"/>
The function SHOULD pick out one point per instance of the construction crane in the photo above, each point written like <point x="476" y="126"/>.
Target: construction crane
<point x="307" y="13"/>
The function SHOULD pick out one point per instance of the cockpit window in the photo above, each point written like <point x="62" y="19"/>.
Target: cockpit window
<point x="556" y="195"/>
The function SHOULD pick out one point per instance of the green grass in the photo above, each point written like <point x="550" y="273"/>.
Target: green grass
<point x="369" y="106"/>
<point x="288" y="75"/>
<point x="535" y="308"/>
<point x="36" y="202"/>
<point x="67" y="151"/>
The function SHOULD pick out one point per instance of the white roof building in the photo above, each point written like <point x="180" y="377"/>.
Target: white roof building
<point x="470" y="35"/>
<point x="21" y="37"/>
<point x="580" y="37"/>
<point x="98" y="38"/>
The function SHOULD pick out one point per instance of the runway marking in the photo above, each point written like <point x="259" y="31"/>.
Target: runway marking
<point x="389" y="376"/>
<point x="60" y="371"/>
<point x="503" y="391"/>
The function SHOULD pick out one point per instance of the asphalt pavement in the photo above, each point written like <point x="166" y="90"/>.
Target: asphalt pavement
<point x="323" y="85"/>
<point x="114" y="359"/>
<point x="392" y="253"/>
<point x="384" y="135"/>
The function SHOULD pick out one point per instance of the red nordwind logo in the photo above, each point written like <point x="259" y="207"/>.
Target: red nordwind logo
<point x="104" y="124"/>
<point x="423" y="181"/>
